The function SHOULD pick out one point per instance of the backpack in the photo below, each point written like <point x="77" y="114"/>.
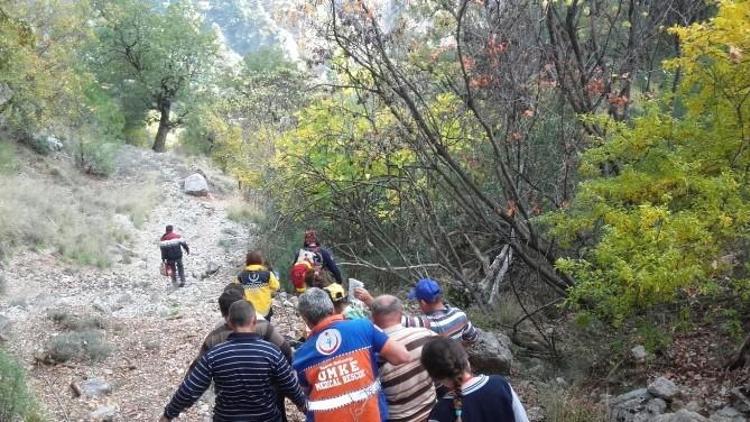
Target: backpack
<point x="297" y="275"/>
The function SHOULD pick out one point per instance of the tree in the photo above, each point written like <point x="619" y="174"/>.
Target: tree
<point x="162" y="57"/>
<point x="674" y="220"/>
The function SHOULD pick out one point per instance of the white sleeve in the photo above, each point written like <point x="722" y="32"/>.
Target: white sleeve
<point x="518" y="411"/>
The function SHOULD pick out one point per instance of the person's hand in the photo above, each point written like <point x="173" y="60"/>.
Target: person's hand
<point x="362" y="294"/>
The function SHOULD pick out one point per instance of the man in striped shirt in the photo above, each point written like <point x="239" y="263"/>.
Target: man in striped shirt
<point x="245" y="370"/>
<point x="442" y="319"/>
<point x="408" y="388"/>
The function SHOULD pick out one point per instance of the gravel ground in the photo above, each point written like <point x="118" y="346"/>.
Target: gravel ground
<point x="155" y="329"/>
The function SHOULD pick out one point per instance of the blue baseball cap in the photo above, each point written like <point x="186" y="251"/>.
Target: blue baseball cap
<point x="426" y="289"/>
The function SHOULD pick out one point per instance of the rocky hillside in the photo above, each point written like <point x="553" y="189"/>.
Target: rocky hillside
<point x="124" y="334"/>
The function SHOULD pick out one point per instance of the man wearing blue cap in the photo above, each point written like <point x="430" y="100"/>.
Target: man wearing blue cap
<point x="444" y="320"/>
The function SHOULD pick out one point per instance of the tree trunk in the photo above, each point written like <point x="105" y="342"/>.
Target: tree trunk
<point x="160" y="142"/>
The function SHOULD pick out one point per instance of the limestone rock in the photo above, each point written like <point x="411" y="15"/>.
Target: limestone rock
<point x="728" y="414"/>
<point x="656" y="407"/>
<point x="683" y="415"/>
<point x="93" y="387"/>
<point x="103" y="414"/>
<point x="195" y="184"/>
<point x="639" y="353"/>
<point x="663" y="388"/>
<point x="491" y="353"/>
<point x="630" y="407"/>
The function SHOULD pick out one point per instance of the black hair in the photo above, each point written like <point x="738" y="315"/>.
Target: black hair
<point x="444" y="358"/>
<point x="241" y="313"/>
<point x="254" y="258"/>
<point x="169" y="228"/>
<point x="229" y="296"/>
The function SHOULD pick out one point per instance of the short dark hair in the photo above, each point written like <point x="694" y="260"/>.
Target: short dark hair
<point x="169" y="228"/>
<point x="254" y="258"/>
<point x="228" y="297"/>
<point x="241" y="313"/>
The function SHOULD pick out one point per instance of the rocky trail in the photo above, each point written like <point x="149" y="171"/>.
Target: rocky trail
<point x="153" y="328"/>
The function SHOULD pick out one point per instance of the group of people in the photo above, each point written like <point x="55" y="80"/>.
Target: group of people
<point x="373" y="364"/>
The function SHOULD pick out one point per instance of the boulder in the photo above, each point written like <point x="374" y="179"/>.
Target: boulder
<point x="630" y="407"/>
<point x="683" y="415"/>
<point x="656" y="407"/>
<point x="728" y="414"/>
<point x="491" y="353"/>
<point x="195" y="184"/>
<point x="664" y="388"/>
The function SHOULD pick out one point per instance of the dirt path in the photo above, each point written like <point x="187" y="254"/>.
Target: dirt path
<point x="154" y="328"/>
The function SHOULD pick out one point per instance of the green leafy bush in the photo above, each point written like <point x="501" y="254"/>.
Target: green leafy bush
<point x="78" y="344"/>
<point x="16" y="402"/>
<point x="676" y="198"/>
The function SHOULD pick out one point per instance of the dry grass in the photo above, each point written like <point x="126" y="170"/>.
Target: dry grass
<point x="562" y="405"/>
<point x="75" y="220"/>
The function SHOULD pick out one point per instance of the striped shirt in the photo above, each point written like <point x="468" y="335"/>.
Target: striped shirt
<point x="408" y="388"/>
<point x="245" y="370"/>
<point x="447" y="322"/>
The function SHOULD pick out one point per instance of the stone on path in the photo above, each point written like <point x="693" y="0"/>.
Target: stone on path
<point x="664" y="388"/>
<point x="195" y="184"/>
<point x="93" y="387"/>
<point x="103" y="414"/>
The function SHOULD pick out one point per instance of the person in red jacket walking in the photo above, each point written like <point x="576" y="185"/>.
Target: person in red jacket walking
<point x="171" y="245"/>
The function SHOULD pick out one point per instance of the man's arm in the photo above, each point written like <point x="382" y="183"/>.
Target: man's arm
<point x="287" y="382"/>
<point x="469" y="334"/>
<point x="395" y="353"/>
<point x="195" y="384"/>
<point x="184" y="245"/>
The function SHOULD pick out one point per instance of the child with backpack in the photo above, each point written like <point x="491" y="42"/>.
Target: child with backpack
<point x="314" y="257"/>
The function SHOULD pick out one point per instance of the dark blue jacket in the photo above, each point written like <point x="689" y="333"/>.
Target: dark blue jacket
<point x="485" y="399"/>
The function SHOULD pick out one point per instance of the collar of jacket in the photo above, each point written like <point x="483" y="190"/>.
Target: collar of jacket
<point x="256" y="267"/>
<point x="322" y="325"/>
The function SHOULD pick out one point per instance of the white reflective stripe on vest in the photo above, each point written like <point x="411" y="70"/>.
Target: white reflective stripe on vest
<point x="345" y="399"/>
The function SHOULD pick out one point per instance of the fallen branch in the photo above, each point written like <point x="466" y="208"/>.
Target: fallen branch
<point x="57" y="398"/>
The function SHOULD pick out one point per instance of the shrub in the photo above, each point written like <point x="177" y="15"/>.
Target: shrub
<point x="78" y="344"/>
<point x="16" y="402"/>
<point x="70" y="322"/>
<point x="563" y="406"/>
<point x="8" y="162"/>
<point x="38" y="215"/>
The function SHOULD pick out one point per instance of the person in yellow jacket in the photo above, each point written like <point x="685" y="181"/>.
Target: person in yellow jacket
<point x="259" y="283"/>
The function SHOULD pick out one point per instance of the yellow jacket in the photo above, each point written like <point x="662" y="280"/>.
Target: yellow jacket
<point x="259" y="284"/>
